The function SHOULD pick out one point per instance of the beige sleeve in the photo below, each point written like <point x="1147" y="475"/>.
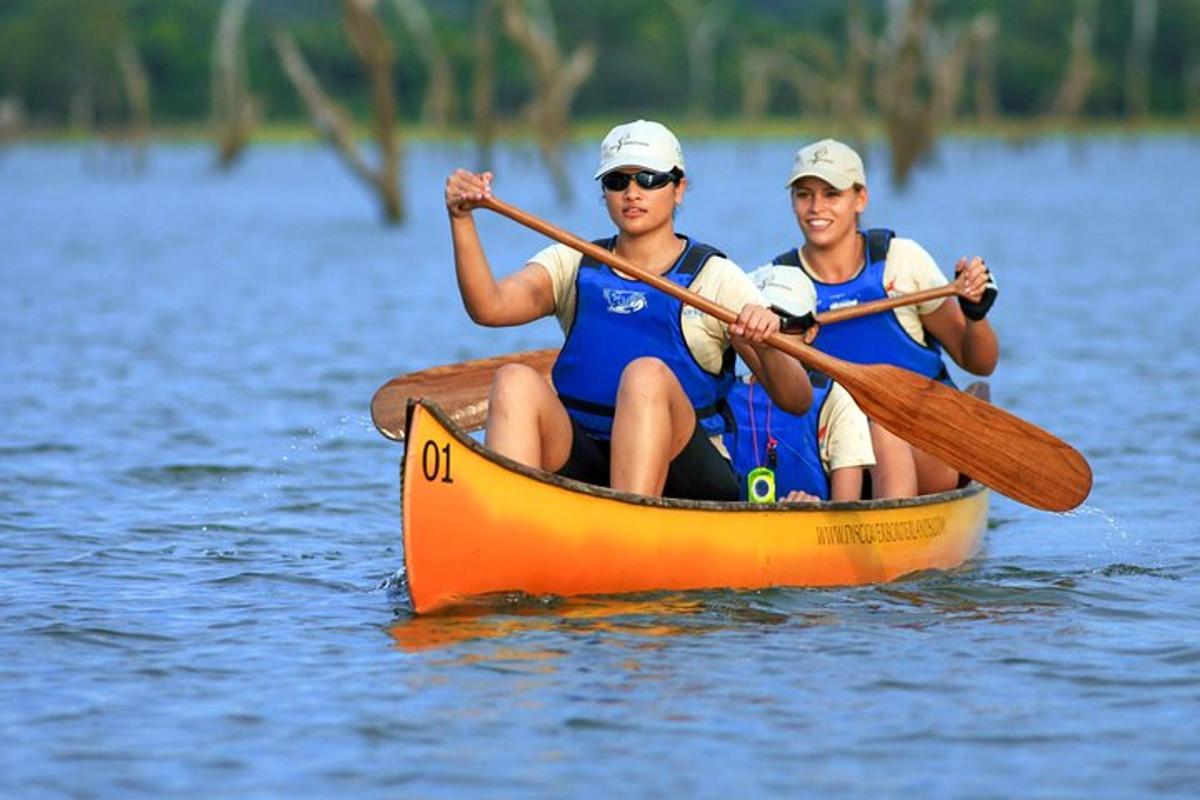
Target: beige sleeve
<point x="843" y="432"/>
<point x="909" y="269"/>
<point x="723" y="282"/>
<point x="563" y="265"/>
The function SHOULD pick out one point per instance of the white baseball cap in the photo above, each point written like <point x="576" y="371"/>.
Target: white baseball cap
<point x="786" y="288"/>
<point x="833" y="162"/>
<point x="641" y="143"/>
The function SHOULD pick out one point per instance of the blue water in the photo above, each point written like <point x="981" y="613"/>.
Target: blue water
<point x="202" y="537"/>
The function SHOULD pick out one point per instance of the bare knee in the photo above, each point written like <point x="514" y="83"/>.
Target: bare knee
<point x="645" y="377"/>
<point x="526" y="421"/>
<point x="515" y="386"/>
<point x="651" y="403"/>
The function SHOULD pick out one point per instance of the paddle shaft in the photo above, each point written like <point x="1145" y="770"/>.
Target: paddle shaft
<point x="808" y="355"/>
<point x="994" y="447"/>
<point x="461" y="390"/>
<point x="886" y="304"/>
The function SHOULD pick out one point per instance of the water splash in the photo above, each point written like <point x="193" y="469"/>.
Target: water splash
<point x="1115" y="528"/>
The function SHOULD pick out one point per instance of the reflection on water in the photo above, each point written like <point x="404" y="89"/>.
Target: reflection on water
<point x="922" y="600"/>
<point x="509" y="616"/>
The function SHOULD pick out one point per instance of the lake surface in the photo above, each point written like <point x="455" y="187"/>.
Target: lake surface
<point x="202" y="534"/>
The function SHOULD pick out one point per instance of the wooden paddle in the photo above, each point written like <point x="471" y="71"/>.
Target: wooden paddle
<point x="887" y="304"/>
<point x="461" y="390"/>
<point x="996" y="448"/>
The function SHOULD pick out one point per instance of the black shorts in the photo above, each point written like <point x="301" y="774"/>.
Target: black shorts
<point x="699" y="472"/>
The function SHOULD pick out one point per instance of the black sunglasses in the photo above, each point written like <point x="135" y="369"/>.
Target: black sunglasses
<point x="647" y="179"/>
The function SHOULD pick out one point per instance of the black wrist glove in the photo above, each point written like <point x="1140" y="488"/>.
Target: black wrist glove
<point x="789" y="323"/>
<point x="977" y="311"/>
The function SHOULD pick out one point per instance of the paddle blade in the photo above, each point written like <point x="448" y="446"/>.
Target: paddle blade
<point x="996" y="448"/>
<point x="461" y="390"/>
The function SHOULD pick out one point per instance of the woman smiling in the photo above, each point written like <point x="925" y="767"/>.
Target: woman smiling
<point x="848" y="266"/>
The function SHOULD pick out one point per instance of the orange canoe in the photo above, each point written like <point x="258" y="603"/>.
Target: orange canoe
<point x="477" y="523"/>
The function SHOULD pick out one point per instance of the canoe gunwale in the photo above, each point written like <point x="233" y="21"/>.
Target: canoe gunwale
<point x="593" y="490"/>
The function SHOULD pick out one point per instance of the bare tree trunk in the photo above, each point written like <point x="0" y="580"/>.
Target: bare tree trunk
<point x="81" y="113"/>
<point x="761" y="68"/>
<point x="12" y="118"/>
<point x="920" y="77"/>
<point x="137" y="91"/>
<point x="234" y="110"/>
<point x="1191" y="86"/>
<point x="947" y="64"/>
<point x="483" y="84"/>
<point x="983" y="62"/>
<point x="702" y="24"/>
<point x="756" y="89"/>
<point x="556" y="80"/>
<point x="437" y="108"/>
<point x="1072" y="93"/>
<point x="1137" y="70"/>
<point x="907" y="116"/>
<point x="370" y="44"/>
<point x="847" y="101"/>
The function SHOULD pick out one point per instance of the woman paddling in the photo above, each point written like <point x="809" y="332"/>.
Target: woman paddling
<point x="641" y="380"/>
<point x="847" y="266"/>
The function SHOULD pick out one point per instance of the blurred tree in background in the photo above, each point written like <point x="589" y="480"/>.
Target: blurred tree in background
<point x="58" y="57"/>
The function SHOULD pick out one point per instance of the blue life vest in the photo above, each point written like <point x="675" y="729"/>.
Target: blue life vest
<point x="764" y="435"/>
<point x="875" y="338"/>
<point x="618" y="320"/>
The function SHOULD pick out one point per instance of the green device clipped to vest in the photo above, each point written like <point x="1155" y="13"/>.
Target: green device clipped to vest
<point x="760" y="485"/>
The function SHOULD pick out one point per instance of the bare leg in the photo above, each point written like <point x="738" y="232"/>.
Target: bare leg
<point x="654" y="421"/>
<point x="895" y="471"/>
<point x="526" y="420"/>
<point x="933" y="474"/>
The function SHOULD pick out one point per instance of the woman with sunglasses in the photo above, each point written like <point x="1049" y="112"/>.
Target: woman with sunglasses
<point x="848" y="266"/>
<point x="639" y="389"/>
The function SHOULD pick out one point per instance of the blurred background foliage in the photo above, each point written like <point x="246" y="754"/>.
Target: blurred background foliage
<point x="57" y="64"/>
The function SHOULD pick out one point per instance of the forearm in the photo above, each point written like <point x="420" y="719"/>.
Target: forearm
<point x="478" y="287"/>
<point x="980" y="348"/>
<point x="784" y="379"/>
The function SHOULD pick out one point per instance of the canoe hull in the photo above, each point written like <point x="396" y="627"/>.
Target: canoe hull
<point x="477" y="523"/>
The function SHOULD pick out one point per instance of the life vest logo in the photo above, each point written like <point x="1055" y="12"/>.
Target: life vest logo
<point x="624" y="301"/>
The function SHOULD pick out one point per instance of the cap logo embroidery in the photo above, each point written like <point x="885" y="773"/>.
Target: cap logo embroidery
<point x="626" y="139"/>
<point x="820" y="156"/>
